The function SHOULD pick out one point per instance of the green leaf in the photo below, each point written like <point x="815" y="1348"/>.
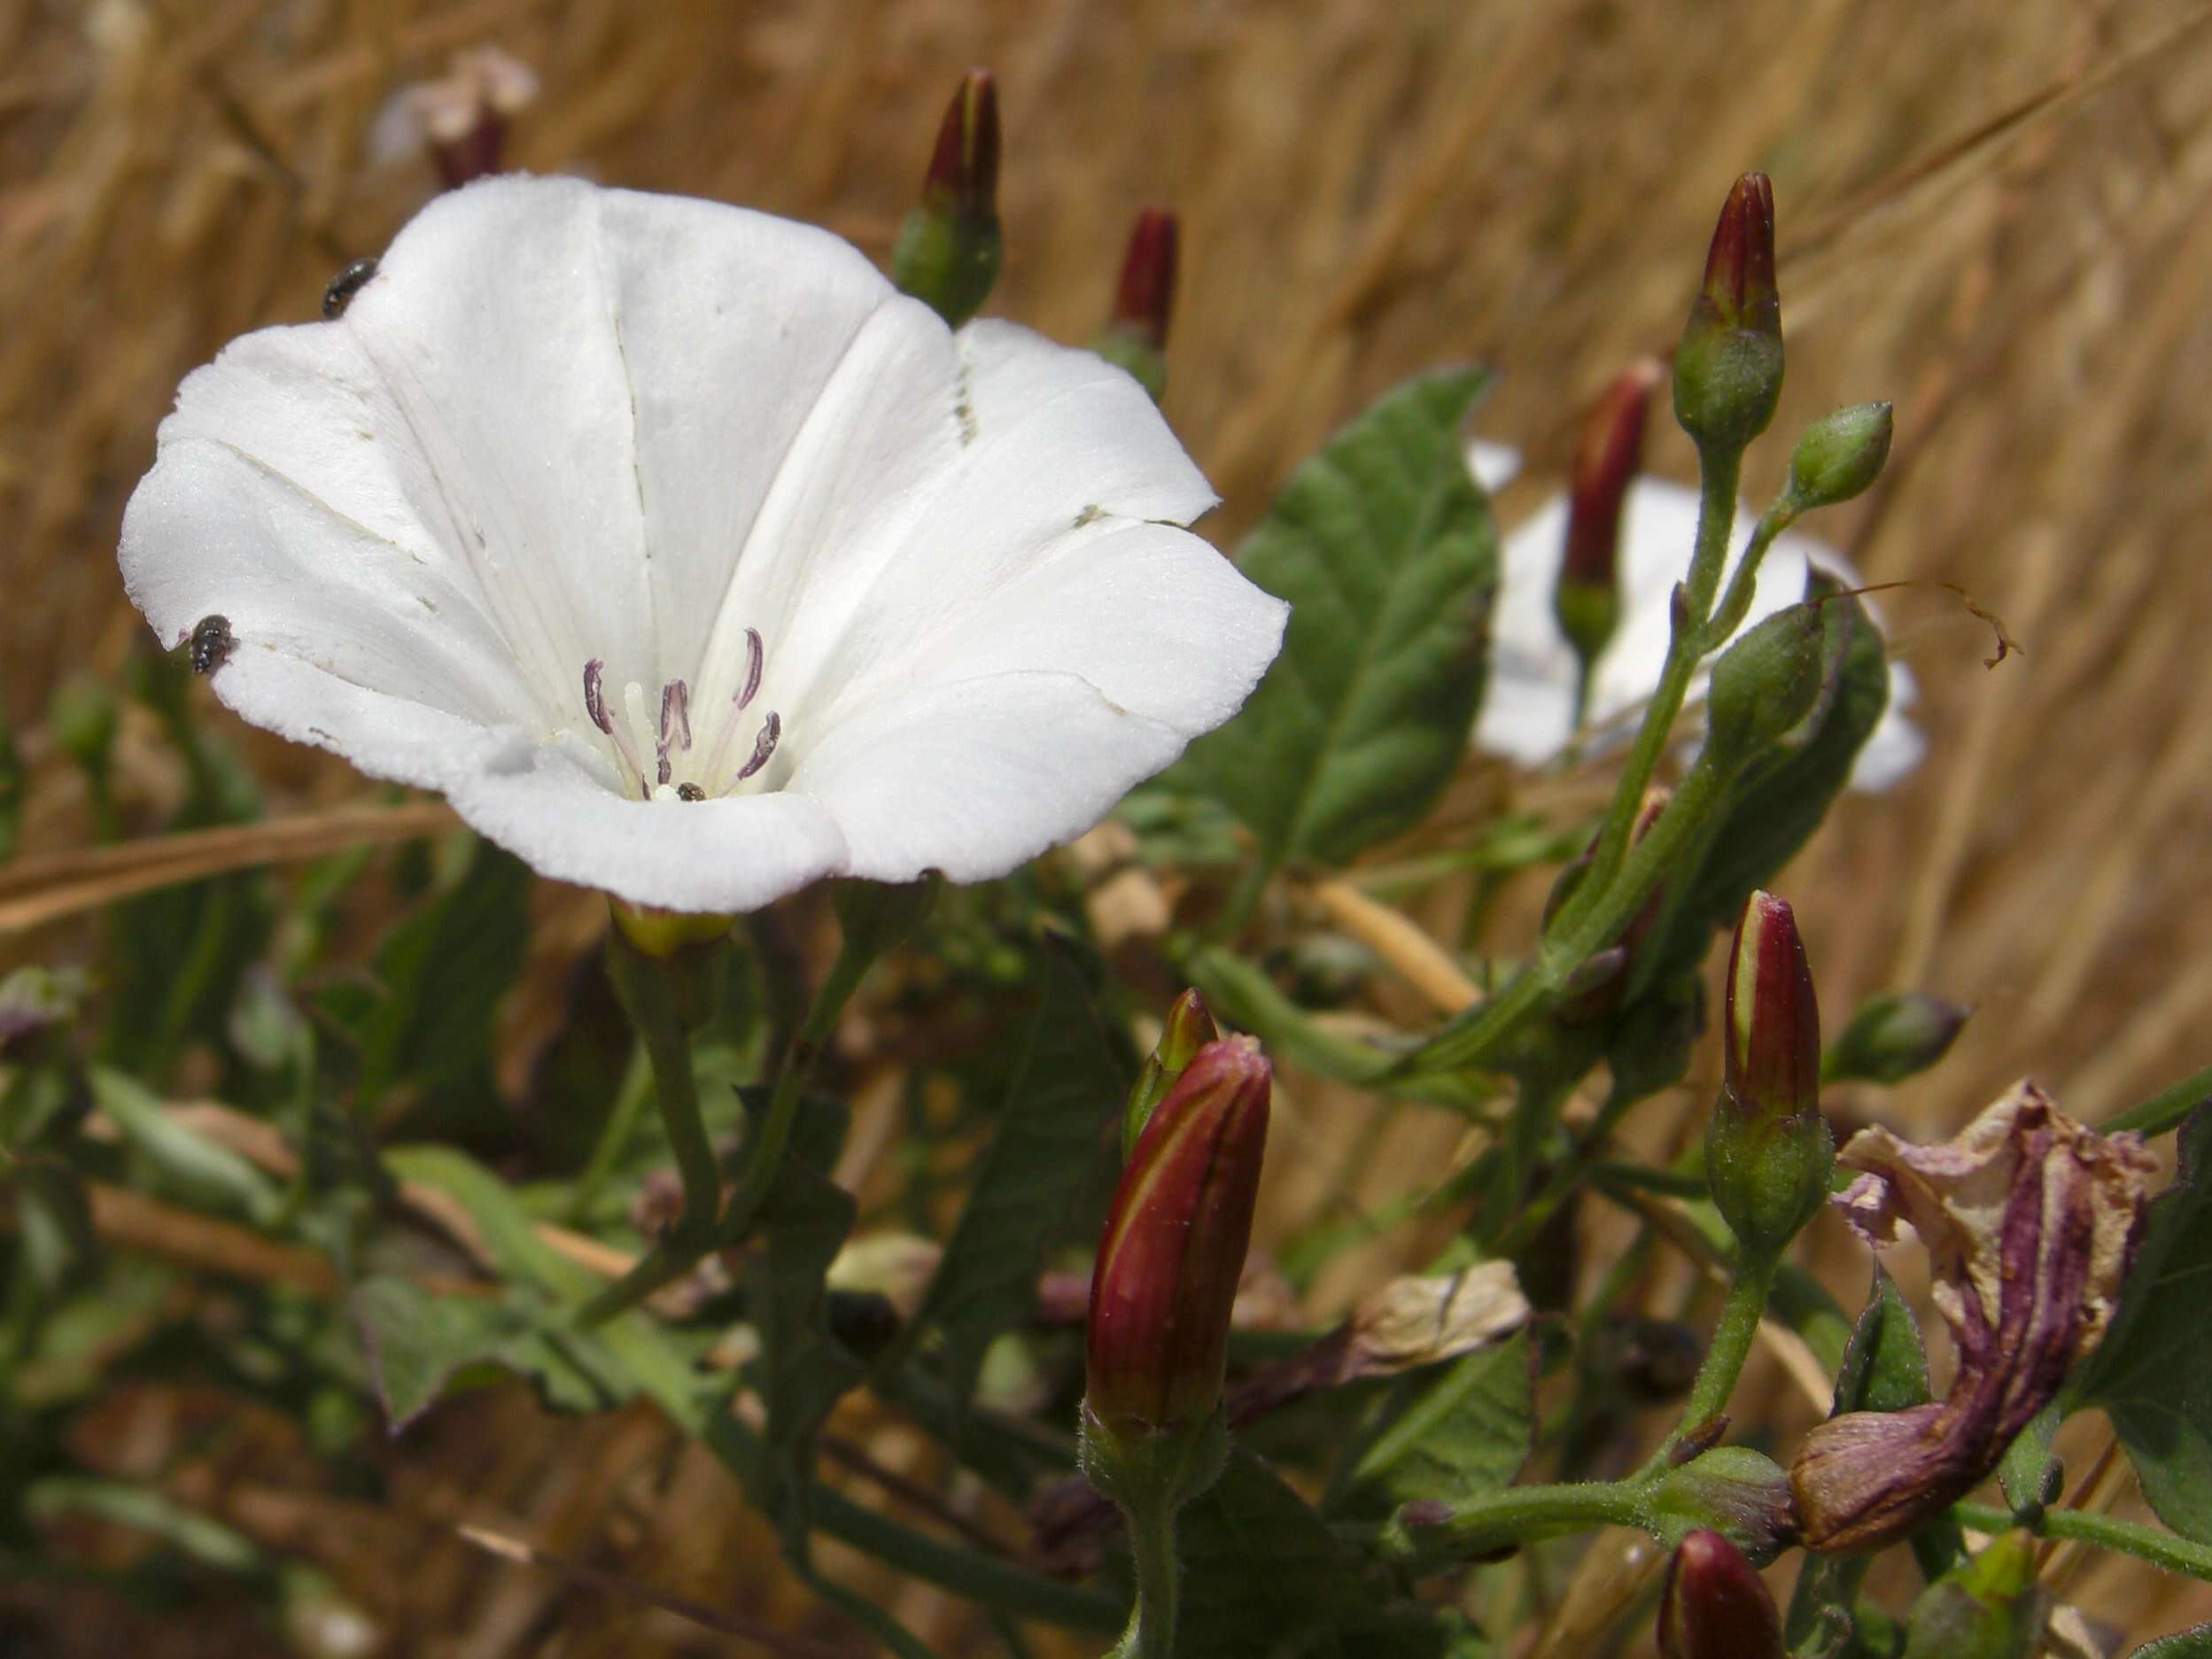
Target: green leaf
<point x="442" y="972"/>
<point x="2188" y="1644"/>
<point x="2152" y="1371"/>
<point x="1260" y="1570"/>
<point x="419" y="1345"/>
<point x="1065" y="1095"/>
<point x="1383" y="546"/>
<point x="2026" y="1468"/>
<point x="502" y="1224"/>
<point x="803" y="1368"/>
<point x="182" y="1158"/>
<point x="1773" y="809"/>
<point x="1453" y="1432"/>
<point x="1885" y="1365"/>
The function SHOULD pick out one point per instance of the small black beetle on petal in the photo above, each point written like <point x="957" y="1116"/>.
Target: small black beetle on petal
<point x="345" y="286"/>
<point x="211" y="643"/>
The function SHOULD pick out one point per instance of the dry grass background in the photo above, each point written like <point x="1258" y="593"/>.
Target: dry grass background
<point x="1994" y="211"/>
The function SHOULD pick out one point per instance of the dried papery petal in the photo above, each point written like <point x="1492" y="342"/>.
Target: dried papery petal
<point x="2030" y="1220"/>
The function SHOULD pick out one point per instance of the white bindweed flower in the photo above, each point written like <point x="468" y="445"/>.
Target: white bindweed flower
<point x="1528" y="709"/>
<point x="689" y="559"/>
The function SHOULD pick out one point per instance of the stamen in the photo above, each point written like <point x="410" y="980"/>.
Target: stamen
<point x="755" y="653"/>
<point x="676" y="712"/>
<point x="764" y="746"/>
<point x="595" y="696"/>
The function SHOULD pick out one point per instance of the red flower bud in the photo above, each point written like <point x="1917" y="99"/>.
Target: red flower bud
<point x="1740" y="264"/>
<point x="1144" y="301"/>
<point x="1767" y="1151"/>
<point x="1715" y="1604"/>
<point x="1607" y="457"/>
<point x="1136" y="335"/>
<point x="963" y="176"/>
<point x="1587" y="598"/>
<point x="1727" y="369"/>
<point x="948" y="251"/>
<point x="1174" y="1247"/>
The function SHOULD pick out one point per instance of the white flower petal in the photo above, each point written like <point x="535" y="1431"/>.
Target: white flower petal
<point x="1056" y="449"/>
<point x="1528" y="711"/>
<point x="974" y="775"/>
<point x="1493" y="465"/>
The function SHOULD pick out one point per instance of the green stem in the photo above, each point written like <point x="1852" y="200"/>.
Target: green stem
<point x="1518" y="1515"/>
<point x="1581" y="929"/>
<point x="2152" y="1544"/>
<point x="651" y="992"/>
<point x="1716" y="518"/>
<point x="702" y="1232"/>
<point x="1736" y="603"/>
<point x="1730" y="1346"/>
<point x="763" y="1155"/>
<point x="1152" y="1627"/>
<point x="615" y="1135"/>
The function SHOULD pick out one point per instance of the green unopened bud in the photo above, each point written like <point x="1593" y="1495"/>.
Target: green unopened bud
<point x="1893" y="1037"/>
<point x="1586" y="601"/>
<point x="1715" y="1604"/>
<point x="948" y="251"/>
<point x="1764" y="684"/>
<point x="1174" y="1248"/>
<point x="1840" y="456"/>
<point x="82" y="716"/>
<point x="1768" y="1149"/>
<point x="1987" y="1608"/>
<point x="1190" y="1027"/>
<point x="1135" y="336"/>
<point x="1727" y="369"/>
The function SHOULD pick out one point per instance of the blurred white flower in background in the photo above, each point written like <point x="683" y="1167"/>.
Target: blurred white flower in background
<point x="689" y="559"/>
<point x="1528" y="709"/>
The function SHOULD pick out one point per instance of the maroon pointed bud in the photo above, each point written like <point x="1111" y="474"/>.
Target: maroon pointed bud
<point x="2029" y="1221"/>
<point x="462" y="118"/>
<point x="963" y="176"/>
<point x="1740" y="264"/>
<point x="1728" y="367"/>
<point x="948" y="251"/>
<point x="1767" y="1150"/>
<point x="1136" y="335"/>
<point x="1715" y="1604"/>
<point x="1189" y="1027"/>
<point x="1174" y="1248"/>
<point x="1144" y="303"/>
<point x="1587" y="599"/>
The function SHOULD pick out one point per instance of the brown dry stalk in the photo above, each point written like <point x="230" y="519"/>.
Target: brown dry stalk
<point x="1404" y="946"/>
<point x="755" y="1630"/>
<point x="34" y="891"/>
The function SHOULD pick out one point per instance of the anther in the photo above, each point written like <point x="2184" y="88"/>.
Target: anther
<point x="675" y="714"/>
<point x="594" y="696"/>
<point x="754" y="654"/>
<point x="764" y="746"/>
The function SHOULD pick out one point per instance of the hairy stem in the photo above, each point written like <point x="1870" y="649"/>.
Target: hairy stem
<point x="1731" y="1346"/>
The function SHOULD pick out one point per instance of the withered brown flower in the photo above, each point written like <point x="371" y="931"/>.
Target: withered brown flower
<point x="2030" y="1220"/>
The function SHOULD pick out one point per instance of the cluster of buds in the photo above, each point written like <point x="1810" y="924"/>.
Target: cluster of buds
<point x="1768" y="1149"/>
<point x="948" y="251"/>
